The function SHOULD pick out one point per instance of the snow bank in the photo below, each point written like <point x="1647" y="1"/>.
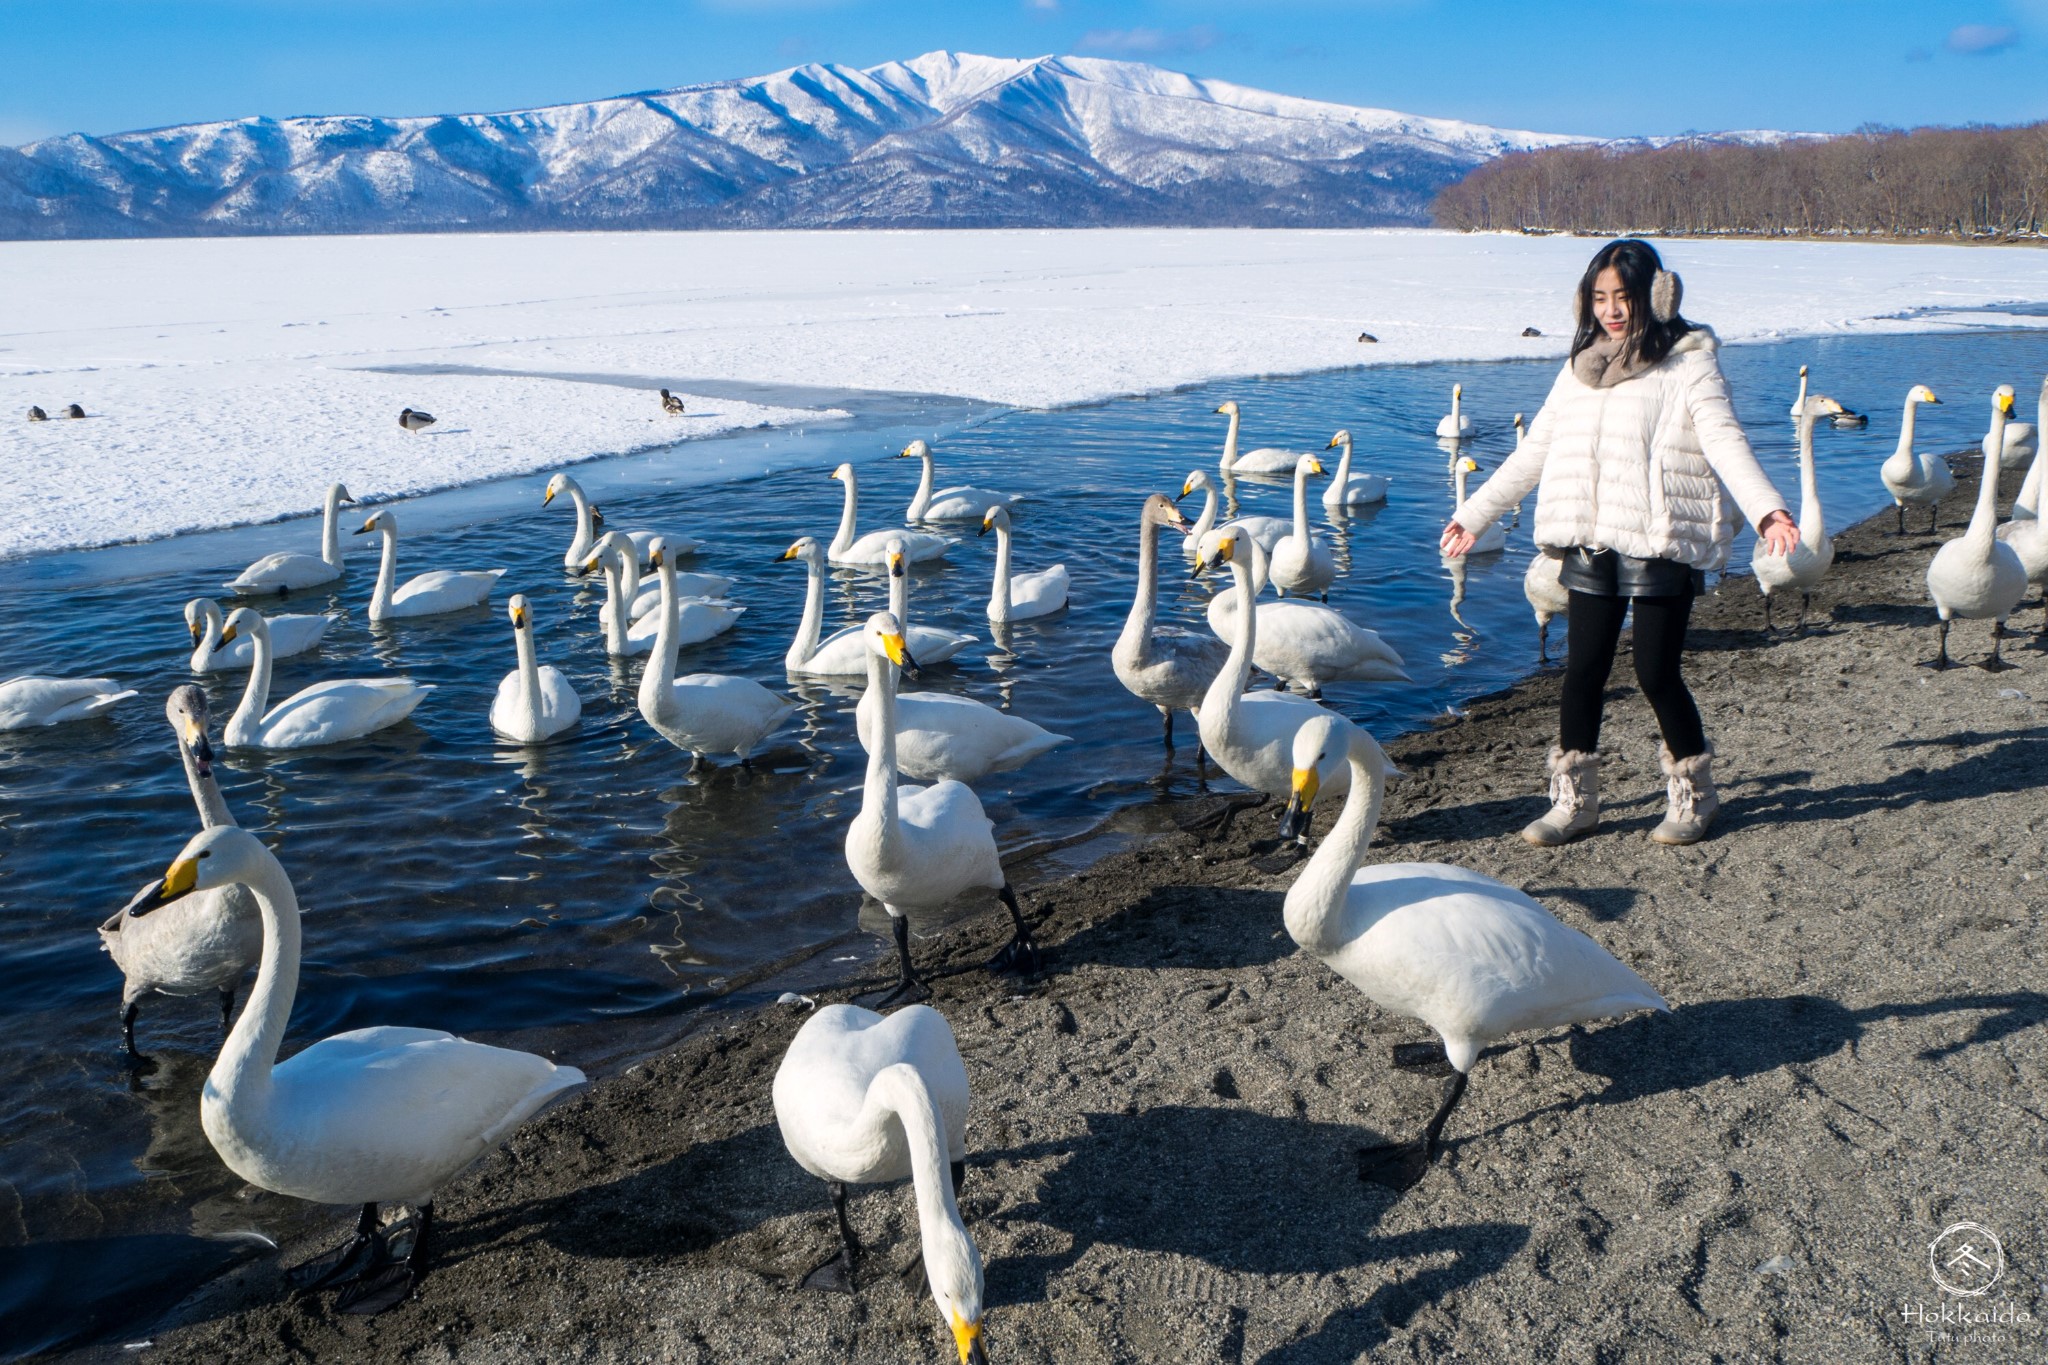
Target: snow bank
<point x="231" y="380"/>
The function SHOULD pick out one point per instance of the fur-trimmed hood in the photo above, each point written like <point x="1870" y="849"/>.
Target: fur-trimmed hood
<point x="1604" y="364"/>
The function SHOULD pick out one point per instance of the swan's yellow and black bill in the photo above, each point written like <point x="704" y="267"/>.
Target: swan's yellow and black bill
<point x="967" y="1337"/>
<point x="899" y="653"/>
<point x="1294" y="821"/>
<point x="1315" y="466"/>
<point x="1185" y="489"/>
<point x="895" y="566"/>
<point x="1225" y="549"/>
<point x="790" y="553"/>
<point x="988" y="519"/>
<point x="177" y="882"/>
<point x="1332" y="445"/>
<point x="518" y="618"/>
<point x="2005" y="404"/>
<point x="196" y="631"/>
<point x="366" y="527"/>
<point x="196" y="741"/>
<point x="549" y="496"/>
<point x="227" y="636"/>
<point x="654" y="560"/>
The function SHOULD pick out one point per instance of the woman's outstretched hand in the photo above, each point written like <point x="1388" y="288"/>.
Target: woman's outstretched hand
<point x="1779" y="533"/>
<point x="1456" y="541"/>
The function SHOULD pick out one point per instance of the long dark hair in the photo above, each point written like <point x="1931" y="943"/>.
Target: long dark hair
<point x="1638" y="264"/>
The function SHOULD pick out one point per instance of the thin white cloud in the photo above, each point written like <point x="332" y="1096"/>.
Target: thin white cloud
<point x="1982" y="40"/>
<point x="1043" y="6"/>
<point x="1150" y="42"/>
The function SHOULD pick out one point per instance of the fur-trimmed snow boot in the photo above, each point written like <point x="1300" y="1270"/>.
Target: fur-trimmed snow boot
<point x="1574" y="799"/>
<point x="1690" y="795"/>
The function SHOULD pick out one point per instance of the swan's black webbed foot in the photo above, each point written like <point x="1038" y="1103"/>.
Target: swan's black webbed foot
<point x="1020" y="954"/>
<point x="1424" y="1059"/>
<point x="342" y="1265"/>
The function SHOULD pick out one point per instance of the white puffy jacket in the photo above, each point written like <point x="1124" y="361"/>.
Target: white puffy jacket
<point x="1655" y="466"/>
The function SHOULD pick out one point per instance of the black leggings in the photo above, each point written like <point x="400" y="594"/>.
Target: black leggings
<point x="1594" y="630"/>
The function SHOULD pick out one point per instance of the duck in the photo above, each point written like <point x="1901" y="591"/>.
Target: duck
<point x="1303" y="644"/>
<point x="625" y="635"/>
<point x="1910" y="477"/>
<point x="1808" y="562"/>
<point x="372" y="1117"/>
<point x="429" y="594"/>
<point x="326" y="713"/>
<point x="871" y="550"/>
<point x="1298" y="562"/>
<point x="1266" y="530"/>
<point x="1269" y="461"/>
<point x="1166" y="666"/>
<point x="920" y="848"/>
<point x="1247" y="733"/>
<point x="535" y="701"/>
<point x="30" y="700"/>
<point x="702" y="713"/>
<point x="1455" y="425"/>
<point x="671" y="404"/>
<point x="208" y="941"/>
<point x="844" y="653"/>
<point x="864" y="1099"/>
<point x="288" y="572"/>
<point x="1978" y="576"/>
<point x="73" y="410"/>
<point x="1352" y="490"/>
<point x="1542" y="585"/>
<point x="1493" y="539"/>
<point x="290" y="636"/>
<point x="1027" y="596"/>
<point x="36" y="414"/>
<point x="2024" y="506"/>
<point x="2022" y="442"/>
<point x="415" y="421"/>
<point x="962" y="503"/>
<point x="1474" y="959"/>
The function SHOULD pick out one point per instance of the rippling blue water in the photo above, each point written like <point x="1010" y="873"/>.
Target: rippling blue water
<point x="561" y="893"/>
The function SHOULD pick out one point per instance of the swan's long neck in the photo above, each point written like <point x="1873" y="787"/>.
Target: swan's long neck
<point x="813" y="624"/>
<point x="387" y="574"/>
<point x="1301" y="502"/>
<point x="899" y="598"/>
<point x="1205" y="523"/>
<point x="999" y="596"/>
<point x="1236" y="674"/>
<point x="586" y="532"/>
<point x="618" y="604"/>
<point x="1984" y="521"/>
<point x="629" y="574"/>
<point x="247" y="722"/>
<point x="1137" y="633"/>
<point x="213" y="809"/>
<point x="1812" y="526"/>
<point x="1315" y="903"/>
<point x="209" y="636"/>
<point x="878" y="794"/>
<point x="1229" y="446"/>
<point x="330" y="530"/>
<point x="241" y="1075"/>
<point x="923" y="499"/>
<point x="844" y="536"/>
<point x="2039" y="473"/>
<point x="1343" y="480"/>
<point x="1905" y="451"/>
<point x="657" y="679"/>
<point x="529" y="670"/>
<point x="1456" y="410"/>
<point x="1460" y="483"/>
<point x="898" y="1092"/>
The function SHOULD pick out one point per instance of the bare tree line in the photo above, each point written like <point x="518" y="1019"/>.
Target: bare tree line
<point x="1972" y="183"/>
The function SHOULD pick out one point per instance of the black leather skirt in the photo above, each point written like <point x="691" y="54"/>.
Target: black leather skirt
<point x="1608" y="573"/>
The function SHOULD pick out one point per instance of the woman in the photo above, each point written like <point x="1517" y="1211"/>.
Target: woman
<point x="1640" y="469"/>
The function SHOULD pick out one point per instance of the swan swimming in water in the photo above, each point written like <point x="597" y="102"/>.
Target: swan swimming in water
<point x="30" y="701"/>
<point x="374" y="1116"/>
<point x="844" y="653"/>
<point x="1347" y="489"/>
<point x="535" y="701"/>
<point x="1025" y="596"/>
<point x="1169" y="667"/>
<point x="290" y="636"/>
<point x="1268" y="461"/>
<point x="702" y="713"/>
<point x="1303" y="644"/>
<point x="871" y="550"/>
<point x="1299" y="563"/>
<point x="1455" y="425"/>
<point x="325" y="713"/>
<point x="960" y="503"/>
<point x="288" y="572"/>
<point x="435" y="593"/>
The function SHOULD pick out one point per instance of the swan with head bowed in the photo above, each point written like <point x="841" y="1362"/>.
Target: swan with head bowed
<point x="325" y="713"/>
<point x="1169" y="667"/>
<point x="290" y="636"/>
<point x="1352" y="490"/>
<point x="1912" y="477"/>
<point x="920" y="848"/>
<point x="30" y="701"/>
<point x="702" y="713"/>
<point x="1298" y="562"/>
<point x="959" y="503"/>
<point x="1024" y="596"/>
<point x="844" y="653"/>
<point x="287" y="571"/>
<point x="1266" y="461"/>
<point x="1474" y="959"/>
<point x="429" y="594"/>
<point x="371" y="1117"/>
<point x="1304" y="644"/>
<point x="862" y="1099"/>
<point x="535" y="701"/>
<point x="205" y="942"/>
<point x="871" y="551"/>
<point x="1978" y="576"/>
<point x="941" y="737"/>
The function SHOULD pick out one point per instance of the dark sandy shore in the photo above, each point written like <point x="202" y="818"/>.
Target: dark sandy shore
<point x="1165" y="1121"/>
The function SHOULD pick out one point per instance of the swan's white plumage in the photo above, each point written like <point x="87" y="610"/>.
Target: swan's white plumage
<point x="1164" y="665"/>
<point x="1021" y="597"/>
<point x="1493" y="539"/>
<point x="1347" y="489"/>
<point x="287" y="571"/>
<point x="1911" y="477"/>
<point x="1808" y="563"/>
<point x="429" y="594"/>
<point x="535" y="701"/>
<point x="289" y="636"/>
<point x="1305" y="644"/>
<point x="325" y="713"/>
<point x="1266" y="461"/>
<point x="1455" y="425"/>
<point x="1299" y="562"/>
<point x="1976" y="575"/>
<point x="963" y="502"/>
<point x="703" y="713"/>
<point x="871" y="550"/>
<point x="844" y="652"/>
<point x="30" y="700"/>
<point x="941" y="736"/>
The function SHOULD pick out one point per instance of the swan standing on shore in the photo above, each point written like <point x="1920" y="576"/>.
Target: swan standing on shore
<point x="1266" y="460"/>
<point x="703" y="713"/>
<point x="871" y="550"/>
<point x="1455" y="425"/>
<point x="1300" y="563"/>
<point x="1169" y="667"/>
<point x="1348" y="489"/>
<point x="1472" y="958"/>
<point x="204" y="943"/>
<point x="435" y="593"/>
<point x="862" y="1099"/>
<point x="286" y="572"/>
<point x="2025" y="506"/>
<point x="30" y="701"/>
<point x="960" y="503"/>
<point x="1542" y="585"/>
<point x="325" y="713"/>
<point x="368" y="1117"/>
<point x="1978" y="576"/>
<point x="920" y="848"/>
<point x="2021" y="443"/>
<point x="535" y="701"/>
<point x="1492" y="540"/>
<point x="1922" y="480"/>
<point x="2027" y="533"/>
<point x="1303" y="644"/>
<point x="1808" y="563"/>
<point x="289" y="636"/>
<point x="1027" y="595"/>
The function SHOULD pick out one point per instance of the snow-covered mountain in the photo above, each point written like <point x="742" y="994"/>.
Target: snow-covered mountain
<point x="944" y="140"/>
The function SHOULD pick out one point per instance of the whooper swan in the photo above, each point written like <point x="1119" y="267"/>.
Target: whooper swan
<point x="1026" y="595"/>
<point x="844" y="653"/>
<point x="1542" y="585"/>
<point x="2022" y="442"/>
<point x="960" y="503"/>
<point x="590" y="525"/>
<point x="1492" y="540"/>
<point x="1169" y="667"/>
<point x="368" y="1117"/>
<point x="1470" y="957"/>
<point x="703" y="713"/>
<point x="1455" y="425"/>
<point x="1978" y="576"/>
<point x="325" y="713"/>
<point x="289" y="636"/>
<point x="1348" y="489"/>
<point x="2026" y="505"/>
<point x="863" y="1099"/>
<point x="535" y="701"/>
<point x="428" y="594"/>
<point x="1922" y="480"/>
<point x="871" y="550"/>
<point x="1269" y="461"/>
<point x="289" y="572"/>
<point x="1299" y="563"/>
<point x="1301" y="643"/>
<point x="30" y="701"/>
<point x="1808" y="563"/>
<point x="1266" y="530"/>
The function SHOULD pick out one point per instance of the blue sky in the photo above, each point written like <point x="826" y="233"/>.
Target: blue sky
<point x="1640" y="66"/>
